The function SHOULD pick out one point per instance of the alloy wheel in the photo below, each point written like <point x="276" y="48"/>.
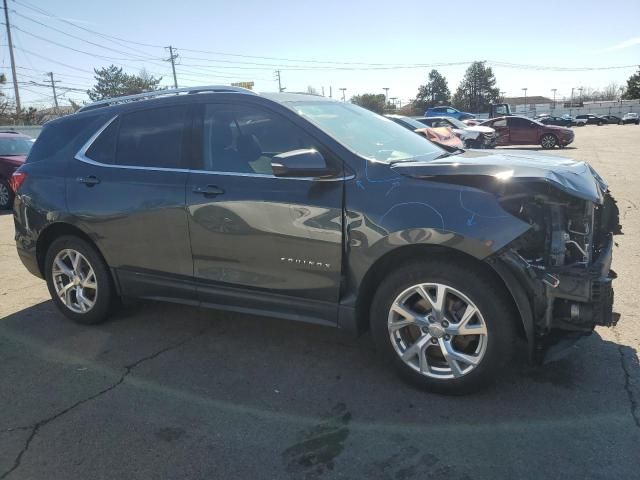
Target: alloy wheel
<point x="4" y="195"/>
<point x="437" y="331"/>
<point x="75" y="281"/>
<point x="548" y="141"/>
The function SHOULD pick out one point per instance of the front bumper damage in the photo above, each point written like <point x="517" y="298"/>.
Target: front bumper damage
<point x="565" y="303"/>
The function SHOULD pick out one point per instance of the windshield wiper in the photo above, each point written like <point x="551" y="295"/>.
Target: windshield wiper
<point x="457" y="151"/>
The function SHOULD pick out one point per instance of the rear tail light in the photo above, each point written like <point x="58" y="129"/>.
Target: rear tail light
<point x="16" y="180"/>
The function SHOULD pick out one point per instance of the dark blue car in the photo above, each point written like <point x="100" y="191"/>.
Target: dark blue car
<point x="448" y="112"/>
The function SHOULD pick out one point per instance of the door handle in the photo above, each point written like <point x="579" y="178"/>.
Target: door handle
<point x="208" y="191"/>
<point x="89" y="181"/>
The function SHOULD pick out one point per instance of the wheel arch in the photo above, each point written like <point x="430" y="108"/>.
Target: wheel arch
<point x="57" y="230"/>
<point x="403" y="254"/>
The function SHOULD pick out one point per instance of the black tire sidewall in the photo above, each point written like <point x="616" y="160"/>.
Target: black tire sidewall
<point x="105" y="300"/>
<point x="10" y="202"/>
<point x="481" y="289"/>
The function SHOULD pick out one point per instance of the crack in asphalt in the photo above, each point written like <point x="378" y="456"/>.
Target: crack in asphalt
<point x="127" y="370"/>
<point x="633" y="403"/>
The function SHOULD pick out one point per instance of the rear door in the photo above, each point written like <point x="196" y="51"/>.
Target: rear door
<point x="259" y="241"/>
<point x="127" y="190"/>
<point x="522" y="131"/>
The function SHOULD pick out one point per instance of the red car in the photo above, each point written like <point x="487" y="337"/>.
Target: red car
<point x="14" y="148"/>
<point x="524" y="131"/>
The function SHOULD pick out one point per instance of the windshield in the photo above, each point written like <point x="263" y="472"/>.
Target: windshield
<point x="366" y="133"/>
<point x="15" y="146"/>
<point x="412" y="122"/>
<point x="456" y="122"/>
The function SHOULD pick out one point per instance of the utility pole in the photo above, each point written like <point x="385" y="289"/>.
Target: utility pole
<point x="502" y="95"/>
<point x="331" y="91"/>
<point x="554" y="90"/>
<point x="525" y="100"/>
<point x="13" y="61"/>
<point x="280" y="89"/>
<point x="172" y="58"/>
<point x="53" y="87"/>
<point x="394" y="102"/>
<point x="323" y="90"/>
<point x="344" y="99"/>
<point x="386" y="94"/>
<point x="571" y="105"/>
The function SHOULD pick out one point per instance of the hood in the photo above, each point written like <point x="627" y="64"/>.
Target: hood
<point x="480" y="128"/>
<point x="575" y="178"/>
<point x="558" y="127"/>
<point x="13" y="160"/>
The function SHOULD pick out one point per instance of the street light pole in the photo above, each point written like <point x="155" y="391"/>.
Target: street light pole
<point x="386" y="94"/>
<point x="525" y="100"/>
<point x="554" y="90"/>
<point x="571" y="104"/>
<point x="344" y="98"/>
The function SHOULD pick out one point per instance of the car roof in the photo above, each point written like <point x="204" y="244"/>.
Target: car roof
<point x="12" y="134"/>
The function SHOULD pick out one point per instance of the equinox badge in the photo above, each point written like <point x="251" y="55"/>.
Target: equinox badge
<point x="310" y="263"/>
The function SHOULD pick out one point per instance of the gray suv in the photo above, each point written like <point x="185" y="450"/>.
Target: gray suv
<point x="303" y="208"/>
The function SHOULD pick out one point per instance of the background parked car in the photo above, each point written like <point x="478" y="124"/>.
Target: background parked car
<point x="443" y="136"/>
<point x="14" y="148"/>
<point x="612" y="119"/>
<point x="524" y="131"/>
<point x="559" y="121"/>
<point x="471" y="136"/>
<point x="448" y="112"/>
<point x="589" y="119"/>
<point x="631" y="118"/>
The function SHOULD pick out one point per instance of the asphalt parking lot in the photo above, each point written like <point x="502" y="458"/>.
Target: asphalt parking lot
<point x="172" y="392"/>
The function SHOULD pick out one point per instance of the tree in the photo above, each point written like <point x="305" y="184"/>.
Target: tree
<point x="434" y="92"/>
<point x="371" y="101"/>
<point x="477" y="89"/>
<point x="312" y="90"/>
<point x="112" y="82"/>
<point x="633" y="86"/>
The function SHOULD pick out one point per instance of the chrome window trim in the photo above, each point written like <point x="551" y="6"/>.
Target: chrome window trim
<point x="81" y="156"/>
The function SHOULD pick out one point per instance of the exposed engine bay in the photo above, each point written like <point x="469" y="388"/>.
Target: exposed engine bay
<point x="566" y="256"/>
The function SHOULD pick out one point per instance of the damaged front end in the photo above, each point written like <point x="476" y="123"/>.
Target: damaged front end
<point x="563" y="262"/>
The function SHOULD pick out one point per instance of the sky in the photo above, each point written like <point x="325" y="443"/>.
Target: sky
<point x="363" y="46"/>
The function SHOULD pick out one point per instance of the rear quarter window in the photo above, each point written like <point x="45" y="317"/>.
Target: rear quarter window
<point x="67" y="134"/>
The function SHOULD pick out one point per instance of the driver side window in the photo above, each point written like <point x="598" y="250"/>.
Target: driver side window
<point x="244" y="139"/>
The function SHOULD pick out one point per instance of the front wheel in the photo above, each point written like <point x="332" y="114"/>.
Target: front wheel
<point x="79" y="281"/>
<point x="548" y="141"/>
<point x="445" y="327"/>
<point x="6" y="196"/>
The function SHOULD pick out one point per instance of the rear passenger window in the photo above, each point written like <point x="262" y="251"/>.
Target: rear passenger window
<point x="152" y="138"/>
<point x="103" y="149"/>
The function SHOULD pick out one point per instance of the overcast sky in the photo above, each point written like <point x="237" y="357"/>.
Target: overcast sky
<point x="326" y="43"/>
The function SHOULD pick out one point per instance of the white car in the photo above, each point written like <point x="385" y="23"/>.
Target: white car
<point x="631" y="117"/>
<point x="476" y="136"/>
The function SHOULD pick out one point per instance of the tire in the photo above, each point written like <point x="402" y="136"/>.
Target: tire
<point x="84" y="304"/>
<point x="548" y="141"/>
<point x="599" y="124"/>
<point x="6" y="196"/>
<point x="429" y="369"/>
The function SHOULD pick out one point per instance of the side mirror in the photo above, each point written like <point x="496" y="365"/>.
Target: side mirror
<point x="300" y="163"/>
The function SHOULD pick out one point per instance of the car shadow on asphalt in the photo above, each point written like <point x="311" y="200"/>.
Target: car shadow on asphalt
<point x="315" y="381"/>
<point x="283" y="350"/>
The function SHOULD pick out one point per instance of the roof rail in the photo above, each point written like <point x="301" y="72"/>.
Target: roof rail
<point x="159" y="93"/>
<point x="9" y="131"/>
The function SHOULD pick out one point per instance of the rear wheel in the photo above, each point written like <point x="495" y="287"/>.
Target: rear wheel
<point x="79" y="281"/>
<point x="446" y="328"/>
<point x="6" y="196"/>
<point x="548" y="141"/>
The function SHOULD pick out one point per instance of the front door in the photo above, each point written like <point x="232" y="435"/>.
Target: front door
<point x="522" y="131"/>
<point x="259" y="242"/>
